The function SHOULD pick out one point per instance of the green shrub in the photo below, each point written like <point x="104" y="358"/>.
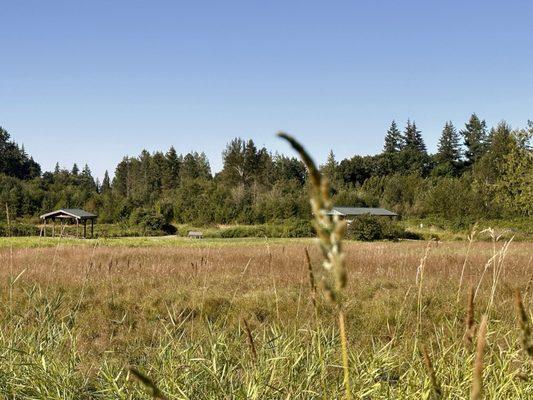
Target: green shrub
<point x="368" y="228"/>
<point x="148" y="220"/>
<point x="282" y="229"/>
<point x="289" y="229"/>
<point x="18" y="229"/>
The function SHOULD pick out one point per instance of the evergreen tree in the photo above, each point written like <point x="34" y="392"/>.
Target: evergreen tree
<point x="87" y="180"/>
<point x="474" y="139"/>
<point x="413" y="157"/>
<point x="244" y="164"/>
<point x="488" y="169"/>
<point x="5" y="149"/>
<point x="4" y="138"/>
<point x="204" y="169"/>
<point x="34" y="169"/>
<point x="234" y="171"/>
<point x="393" y="139"/>
<point x="156" y="172"/>
<point x="142" y="180"/>
<point x="14" y="161"/>
<point x="515" y="184"/>
<point x="172" y="169"/>
<point x="288" y="169"/>
<point x="106" y="184"/>
<point x="331" y="169"/>
<point x="251" y="162"/>
<point x="413" y="139"/>
<point x="121" y="181"/>
<point x="75" y="170"/>
<point x="195" y="166"/>
<point x="265" y="167"/>
<point x="449" y="150"/>
<point x="448" y="157"/>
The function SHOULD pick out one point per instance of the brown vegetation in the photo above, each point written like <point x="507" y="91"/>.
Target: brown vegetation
<point x="104" y="309"/>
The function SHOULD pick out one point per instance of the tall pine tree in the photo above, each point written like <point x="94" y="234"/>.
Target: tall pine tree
<point x="75" y="170"/>
<point x="14" y="161"/>
<point x="393" y="139"/>
<point x="171" y="176"/>
<point x="475" y="139"/>
<point x="106" y="183"/>
<point x="448" y="157"/>
<point x="413" y="139"/>
<point x="331" y="169"/>
<point x="413" y="157"/>
<point x="449" y="150"/>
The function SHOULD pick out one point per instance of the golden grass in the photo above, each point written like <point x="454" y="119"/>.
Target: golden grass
<point x="73" y="319"/>
<point x="477" y="379"/>
<point x="436" y="390"/>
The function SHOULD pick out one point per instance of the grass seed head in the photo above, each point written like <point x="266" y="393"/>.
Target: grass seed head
<point x="148" y="384"/>
<point x="470" y="328"/>
<point x="330" y="230"/>
<point x="525" y="326"/>
<point x="250" y="339"/>
<point x="477" y="379"/>
<point x="430" y="369"/>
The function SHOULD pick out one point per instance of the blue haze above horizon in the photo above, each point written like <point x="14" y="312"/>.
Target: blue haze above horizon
<point x="91" y="82"/>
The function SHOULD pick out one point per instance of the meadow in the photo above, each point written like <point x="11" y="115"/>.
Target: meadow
<point x="238" y="319"/>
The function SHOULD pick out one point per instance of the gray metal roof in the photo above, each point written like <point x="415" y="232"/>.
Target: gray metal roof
<point x="346" y="211"/>
<point x="71" y="212"/>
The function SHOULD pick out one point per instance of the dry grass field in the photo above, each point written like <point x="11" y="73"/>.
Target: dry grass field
<point x="75" y="319"/>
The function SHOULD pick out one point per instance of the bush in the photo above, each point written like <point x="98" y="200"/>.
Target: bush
<point x="286" y="229"/>
<point x="289" y="229"/>
<point x="149" y="220"/>
<point x="368" y="228"/>
<point x="18" y="229"/>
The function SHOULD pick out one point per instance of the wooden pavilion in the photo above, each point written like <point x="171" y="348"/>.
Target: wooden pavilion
<point x="66" y="215"/>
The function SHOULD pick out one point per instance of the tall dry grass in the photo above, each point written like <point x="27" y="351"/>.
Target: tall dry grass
<point x="71" y="328"/>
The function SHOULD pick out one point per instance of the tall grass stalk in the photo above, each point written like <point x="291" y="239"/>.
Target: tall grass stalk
<point x="498" y="271"/>
<point x="312" y="283"/>
<point x="525" y="326"/>
<point x="471" y="237"/>
<point x="330" y="231"/>
<point x="430" y="369"/>
<point x="312" y="286"/>
<point x="8" y="221"/>
<point x="148" y="384"/>
<point x="476" y="392"/>
<point x="420" y="282"/>
<point x="470" y="328"/>
<point x="251" y="342"/>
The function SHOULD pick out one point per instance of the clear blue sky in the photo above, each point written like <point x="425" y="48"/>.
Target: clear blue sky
<point x="92" y="81"/>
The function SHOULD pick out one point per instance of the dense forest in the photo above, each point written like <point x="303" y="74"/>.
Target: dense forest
<point x="477" y="172"/>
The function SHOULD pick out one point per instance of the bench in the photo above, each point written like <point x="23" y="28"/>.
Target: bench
<point x="195" y="235"/>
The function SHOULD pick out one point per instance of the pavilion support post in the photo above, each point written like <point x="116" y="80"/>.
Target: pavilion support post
<point x="53" y="227"/>
<point x="85" y="229"/>
<point x="77" y="228"/>
<point x="44" y="228"/>
<point x="92" y="228"/>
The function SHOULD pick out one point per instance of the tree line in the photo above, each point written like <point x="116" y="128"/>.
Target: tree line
<point x="476" y="172"/>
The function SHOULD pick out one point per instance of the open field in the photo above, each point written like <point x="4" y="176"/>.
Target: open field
<point x="143" y="241"/>
<point x="73" y="318"/>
